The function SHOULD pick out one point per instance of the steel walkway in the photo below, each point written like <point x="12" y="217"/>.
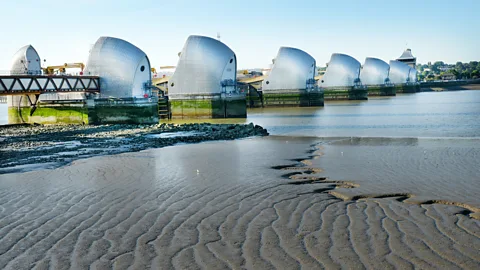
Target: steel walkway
<point x="39" y="84"/>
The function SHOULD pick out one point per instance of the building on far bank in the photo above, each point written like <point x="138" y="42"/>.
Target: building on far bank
<point x="408" y="58"/>
<point x="448" y="77"/>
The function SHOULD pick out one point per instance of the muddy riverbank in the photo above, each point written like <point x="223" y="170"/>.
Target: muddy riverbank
<point x="29" y="145"/>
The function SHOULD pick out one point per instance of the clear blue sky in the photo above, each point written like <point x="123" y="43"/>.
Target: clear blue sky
<point x="63" y="31"/>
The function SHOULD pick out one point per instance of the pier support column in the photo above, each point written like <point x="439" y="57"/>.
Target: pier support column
<point x="293" y="98"/>
<point x="208" y="105"/>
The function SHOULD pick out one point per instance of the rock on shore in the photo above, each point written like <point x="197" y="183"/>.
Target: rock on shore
<point x="34" y="144"/>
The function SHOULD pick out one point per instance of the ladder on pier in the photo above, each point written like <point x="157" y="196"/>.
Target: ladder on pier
<point x="163" y="106"/>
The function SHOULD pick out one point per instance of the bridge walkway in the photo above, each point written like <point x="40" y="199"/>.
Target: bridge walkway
<point x="39" y="84"/>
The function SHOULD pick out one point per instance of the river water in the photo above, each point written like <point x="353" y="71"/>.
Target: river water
<point x="444" y="114"/>
<point x="428" y="114"/>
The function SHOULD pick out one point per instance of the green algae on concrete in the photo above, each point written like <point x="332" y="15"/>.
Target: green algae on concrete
<point x="346" y="93"/>
<point x="208" y="106"/>
<point x="47" y="114"/>
<point x="123" y="111"/>
<point x="235" y="108"/>
<point x="293" y="98"/>
<point x="381" y="90"/>
<point x="89" y="111"/>
<point x="407" y="88"/>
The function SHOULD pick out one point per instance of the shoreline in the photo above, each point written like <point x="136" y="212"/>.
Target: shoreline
<point x="34" y="145"/>
<point x="440" y="88"/>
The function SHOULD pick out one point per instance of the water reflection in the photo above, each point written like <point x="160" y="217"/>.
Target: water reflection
<point x="446" y="114"/>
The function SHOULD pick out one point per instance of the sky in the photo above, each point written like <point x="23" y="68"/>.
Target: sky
<point x="64" y="31"/>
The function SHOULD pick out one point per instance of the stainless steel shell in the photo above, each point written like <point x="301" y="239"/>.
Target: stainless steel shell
<point x="206" y="66"/>
<point x="26" y="61"/>
<point x="123" y="68"/>
<point x="399" y="72"/>
<point x="291" y="70"/>
<point x="413" y="75"/>
<point x="374" y="71"/>
<point x="342" y="71"/>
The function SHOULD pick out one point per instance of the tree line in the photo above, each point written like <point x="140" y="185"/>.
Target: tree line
<point x="439" y="69"/>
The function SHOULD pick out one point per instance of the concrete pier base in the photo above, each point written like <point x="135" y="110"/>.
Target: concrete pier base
<point x="208" y="106"/>
<point x="345" y="93"/>
<point x="82" y="111"/>
<point x="381" y="90"/>
<point x="407" y="88"/>
<point x="293" y="98"/>
<point x="254" y="98"/>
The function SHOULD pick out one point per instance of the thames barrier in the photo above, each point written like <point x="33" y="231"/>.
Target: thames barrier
<point x="118" y="85"/>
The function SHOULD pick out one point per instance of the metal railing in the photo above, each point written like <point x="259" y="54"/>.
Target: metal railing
<point x="36" y="73"/>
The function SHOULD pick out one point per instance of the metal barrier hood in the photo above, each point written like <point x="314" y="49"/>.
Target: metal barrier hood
<point x="374" y="72"/>
<point x="292" y="69"/>
<point x="413" y="75"/>
<point x="399" y="72"/>
<point x="206" y="66"/>
<point x="26" y="61"/>
<point x="123" y="68"/>
<point x="342" y="71"/>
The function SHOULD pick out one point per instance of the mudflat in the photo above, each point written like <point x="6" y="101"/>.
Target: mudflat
<point x="256" y="203"/>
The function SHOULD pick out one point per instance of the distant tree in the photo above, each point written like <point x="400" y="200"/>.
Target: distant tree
<point x="421" y="77"/>
<point x="455" y="72"/>
<point x="436" y="66"/>
<point x="475" y="74"/>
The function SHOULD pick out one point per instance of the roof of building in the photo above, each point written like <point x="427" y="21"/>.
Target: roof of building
<point x="407" y="54"/>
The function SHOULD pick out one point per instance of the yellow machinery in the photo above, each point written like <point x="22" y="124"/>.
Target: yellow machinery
<point x="61" y="69"/>
<point x="154" y="70"/>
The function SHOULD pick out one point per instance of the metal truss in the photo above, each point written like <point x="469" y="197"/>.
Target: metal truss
<point x="32" y="84"/>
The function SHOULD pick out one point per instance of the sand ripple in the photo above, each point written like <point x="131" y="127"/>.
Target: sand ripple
<point x="118" y="214"/>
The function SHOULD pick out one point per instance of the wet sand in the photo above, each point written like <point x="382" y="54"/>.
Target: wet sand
<point x="258" y="203"/>
<point x="453" y="88"/>
<point x="421" y="170"/>
<point x="29" y="147"/>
